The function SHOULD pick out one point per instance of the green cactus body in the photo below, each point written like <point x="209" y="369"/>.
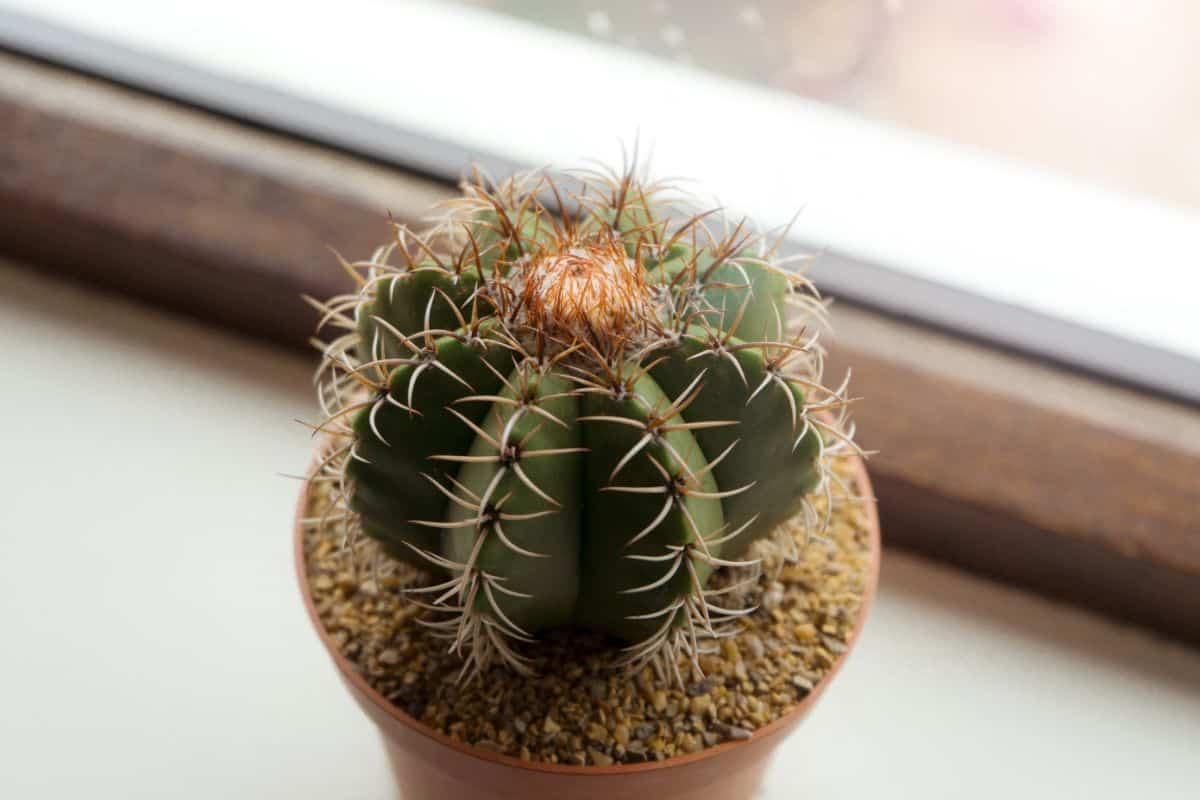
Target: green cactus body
<point x="571" y="423"/>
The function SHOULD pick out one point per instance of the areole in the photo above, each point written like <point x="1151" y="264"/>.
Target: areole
<point x="432" y="766"/>
<point x="596" y="293"/>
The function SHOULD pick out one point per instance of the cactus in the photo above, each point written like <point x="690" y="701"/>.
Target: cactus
<point x="574" y="419"/>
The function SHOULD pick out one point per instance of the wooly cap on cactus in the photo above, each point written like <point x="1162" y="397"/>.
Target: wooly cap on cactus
<point x="574" y="418"/>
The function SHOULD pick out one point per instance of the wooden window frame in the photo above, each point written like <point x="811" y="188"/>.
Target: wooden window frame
<point x="1002" y="464"/>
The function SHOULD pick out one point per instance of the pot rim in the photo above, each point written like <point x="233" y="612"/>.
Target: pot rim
<point x="350" y="673"/>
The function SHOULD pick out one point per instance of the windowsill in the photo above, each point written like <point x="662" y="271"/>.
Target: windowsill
<point x="148" y="579"/>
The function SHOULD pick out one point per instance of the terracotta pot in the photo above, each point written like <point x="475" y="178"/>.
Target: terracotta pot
<point x="431" y="766"/>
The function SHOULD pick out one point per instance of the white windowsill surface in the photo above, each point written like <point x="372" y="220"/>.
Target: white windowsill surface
<point x="155" y="646"/>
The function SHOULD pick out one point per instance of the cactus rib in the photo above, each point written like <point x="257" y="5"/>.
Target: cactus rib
<point x="574" y="420"/>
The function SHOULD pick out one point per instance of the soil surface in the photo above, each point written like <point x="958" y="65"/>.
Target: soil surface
<point x="578" y="709"/>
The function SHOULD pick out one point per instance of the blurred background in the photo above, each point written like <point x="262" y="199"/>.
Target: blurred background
<point x="1100" y="90"/>
<point x="1002" y="198"/>
<point x="1001" y="168"/>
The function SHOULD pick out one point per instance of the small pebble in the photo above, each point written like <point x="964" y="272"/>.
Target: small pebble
<point x="737" y="733"/>
<point x="600" y="759"/>
<point x="754" y="645"/>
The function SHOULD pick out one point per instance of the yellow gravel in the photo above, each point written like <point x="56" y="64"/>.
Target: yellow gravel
<point x="578" y="710"/>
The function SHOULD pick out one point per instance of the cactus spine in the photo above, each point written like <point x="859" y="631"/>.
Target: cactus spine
<point x="573" y="420"/>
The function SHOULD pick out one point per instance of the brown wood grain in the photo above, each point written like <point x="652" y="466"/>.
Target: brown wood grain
<point x="167" y="226"/>
<point x="1047" y="469"/>
<point x="1014" y="469"/>
<point x="182" y="208"/>
<point x="1002" y="485"/>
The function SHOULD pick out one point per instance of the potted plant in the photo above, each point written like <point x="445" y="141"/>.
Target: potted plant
<point x="584" y="521"/>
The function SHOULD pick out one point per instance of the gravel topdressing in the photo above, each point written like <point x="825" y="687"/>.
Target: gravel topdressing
<point x="578" y="710"/>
